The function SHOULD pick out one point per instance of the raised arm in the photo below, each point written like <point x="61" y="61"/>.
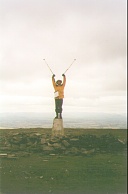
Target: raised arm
<point x="64" y="80"/>
<point x="53" y="81"/>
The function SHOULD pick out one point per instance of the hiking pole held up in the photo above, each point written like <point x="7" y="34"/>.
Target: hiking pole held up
<point x="48" y="66"/>
<point x="70" y="66"/>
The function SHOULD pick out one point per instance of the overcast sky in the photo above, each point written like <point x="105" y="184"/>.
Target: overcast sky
<point x="91" y="31"/>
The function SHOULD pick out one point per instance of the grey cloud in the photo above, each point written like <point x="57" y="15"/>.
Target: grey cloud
<point x="93" y="32"/>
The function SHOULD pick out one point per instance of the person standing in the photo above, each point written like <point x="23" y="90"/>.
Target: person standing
<point x="58" y="95"/>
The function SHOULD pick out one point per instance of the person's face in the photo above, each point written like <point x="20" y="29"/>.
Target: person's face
<point x="59" y="83"/>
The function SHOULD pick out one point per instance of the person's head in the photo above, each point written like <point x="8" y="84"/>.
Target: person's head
<point x="59" y="82"/>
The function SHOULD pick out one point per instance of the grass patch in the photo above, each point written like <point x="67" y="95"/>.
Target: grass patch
<point x="41" y="174"/>
<point x="103" y="173"/>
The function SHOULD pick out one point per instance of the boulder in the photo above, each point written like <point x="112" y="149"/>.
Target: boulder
<point x="56" y="145"/>
<point x="47" y="148"/>
<point x="65" y="143"/>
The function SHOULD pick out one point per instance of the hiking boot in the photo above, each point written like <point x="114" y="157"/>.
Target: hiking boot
<point x="60" y="116"/>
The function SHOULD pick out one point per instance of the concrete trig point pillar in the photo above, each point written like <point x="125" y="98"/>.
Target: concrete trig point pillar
<point x="57" y="129"/>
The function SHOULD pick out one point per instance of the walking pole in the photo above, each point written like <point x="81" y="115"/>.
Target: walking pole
<point x="48" y="66"/>
<point x="70" y="66"/>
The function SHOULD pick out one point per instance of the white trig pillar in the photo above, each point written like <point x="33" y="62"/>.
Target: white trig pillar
<point x="57" y="129"/>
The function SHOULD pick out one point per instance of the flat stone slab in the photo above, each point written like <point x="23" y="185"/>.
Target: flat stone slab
<point x="57" y="128"/>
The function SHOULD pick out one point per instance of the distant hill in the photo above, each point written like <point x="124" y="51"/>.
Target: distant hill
<point x="71" y="120"/>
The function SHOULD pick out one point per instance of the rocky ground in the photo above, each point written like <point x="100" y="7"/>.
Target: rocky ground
<point x="18" y="144"/>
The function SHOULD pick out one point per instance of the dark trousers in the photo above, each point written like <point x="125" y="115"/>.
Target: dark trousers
<point x="58" y="105"/>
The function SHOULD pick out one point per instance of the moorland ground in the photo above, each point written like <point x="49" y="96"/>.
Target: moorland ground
<point x="39" y="173"/>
